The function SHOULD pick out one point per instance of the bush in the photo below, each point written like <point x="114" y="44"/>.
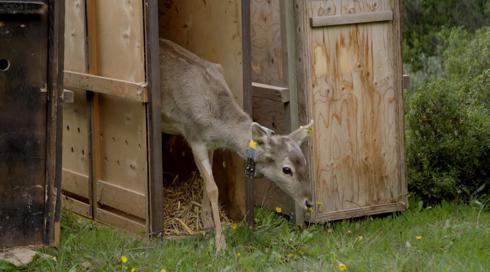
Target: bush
<point x="421" y="19"/>
<point x="448" y="122"/>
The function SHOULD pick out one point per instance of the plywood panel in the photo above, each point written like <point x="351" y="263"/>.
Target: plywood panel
<point x="212" y="30"/>
<point x="268" y="52"/>
<point x="122" y="139"/>
<point x="75" y="115"/>
<point x="354" y="97"/>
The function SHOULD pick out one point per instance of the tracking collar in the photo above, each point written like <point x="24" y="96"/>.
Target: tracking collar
<point x="250" y="153"/>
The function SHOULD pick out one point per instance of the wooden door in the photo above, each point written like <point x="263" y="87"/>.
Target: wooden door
<point x="29" y="101"/>
<point x="351" y="66"/>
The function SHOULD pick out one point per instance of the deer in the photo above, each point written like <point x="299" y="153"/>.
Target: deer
<point x="197" y="103"/>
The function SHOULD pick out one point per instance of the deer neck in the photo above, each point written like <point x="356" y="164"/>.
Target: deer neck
<point x="239" y="137"/>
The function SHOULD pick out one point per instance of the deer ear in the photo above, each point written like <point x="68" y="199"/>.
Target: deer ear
<point x="300" y="135"/>
<point x="259" y="131"/>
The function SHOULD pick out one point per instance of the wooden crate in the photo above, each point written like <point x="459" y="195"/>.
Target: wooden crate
<point x="30" y="100"/>
<point x="112" y="166"/>
<point x="347" y="60"/>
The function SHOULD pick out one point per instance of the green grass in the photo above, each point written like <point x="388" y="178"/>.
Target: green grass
<point x="454" y="238"/>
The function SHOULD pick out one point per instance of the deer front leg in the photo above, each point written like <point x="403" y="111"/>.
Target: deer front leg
<point x="201" y="158"/>
<point x="206" y="213"/>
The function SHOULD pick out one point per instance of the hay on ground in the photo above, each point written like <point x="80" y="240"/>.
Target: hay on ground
<point x="182" y="207"/>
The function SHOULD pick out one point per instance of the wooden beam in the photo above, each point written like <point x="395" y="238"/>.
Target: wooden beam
<point x="348" y="19"/>
<point x="106" y="85"/>
<point x="257" y="87"/>
<point x="94" y="106"/>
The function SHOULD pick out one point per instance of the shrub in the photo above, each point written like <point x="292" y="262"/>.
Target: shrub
<point x="448" y="123"/>
<point x="422" y="19"/>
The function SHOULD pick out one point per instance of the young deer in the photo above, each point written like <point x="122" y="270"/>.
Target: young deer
<point x="197" y="103"/>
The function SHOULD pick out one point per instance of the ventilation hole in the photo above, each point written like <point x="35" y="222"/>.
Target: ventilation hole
<point x="126" y="141"/>
<point x="83" y="152"/>
<point x="4" y="64"/>
<point x="72" y="149"/>
<point x="139" y="146"/>
<point x="67" y="127"/>
<point x="118" y="162"/>
<point x="114" y="139"/>
<point x="105" y="158"/>
<point x="78" y="129"/>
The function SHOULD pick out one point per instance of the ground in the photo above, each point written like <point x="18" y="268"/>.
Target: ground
<point x="447" y="237"/>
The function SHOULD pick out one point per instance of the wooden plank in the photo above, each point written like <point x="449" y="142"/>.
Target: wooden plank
<point x="75" y="183"/>
<point x="353" y="92"/>
<point x="270" y="109"/>
<point x="75" y="115"/>
<point x="268" y="49"/>
<point x="76" y="206"/>
<point x="212" y="29"/>
<point x="94" y="125"/>
<point x="55" y="122"/>
<point x="399" y="82"/>
<point x="105" y="85"/>
<point x="348" y="19"/>
<point x="359" y="212"/>
<point x="283" y="92"/>
<point x="123" y="140"/>
<point x="118" y="197"/>
<point x="121" y="221"/>
<point x="155" y="187"/>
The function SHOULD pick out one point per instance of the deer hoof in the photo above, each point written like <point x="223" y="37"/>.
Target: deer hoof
<point x="220" y="243"/>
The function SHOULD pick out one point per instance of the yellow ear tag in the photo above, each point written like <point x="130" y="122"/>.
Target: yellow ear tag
<point x="252" y="144"/>
<point x="309" y="131"/>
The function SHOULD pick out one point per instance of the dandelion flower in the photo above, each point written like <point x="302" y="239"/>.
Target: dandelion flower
<point x="278" y="209"/>
<point x="310" y="209"/>
<point x="418" y="237"/>
<point x="163" y="270"/>
<point x="123" y="259"/>
<point x="238" y="254"/>
<point x="234" y="226"/>
<point x="342" y="267"/>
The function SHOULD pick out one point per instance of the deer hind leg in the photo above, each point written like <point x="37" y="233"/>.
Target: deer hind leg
<point x="206" y="213"/>
<point x="201" y="158"/>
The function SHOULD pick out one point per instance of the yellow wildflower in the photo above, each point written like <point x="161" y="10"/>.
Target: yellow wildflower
<point x="342" y="267"/>
<point x="238" y="254"/>
<point x="123" y="259"/>
<point x="418" y="237"/>
<point x="163" y="270"/>
<point x="310" y="209"/>
<point x="319" y="203"/>
<point x="133" y="269"/>
<point x="234" y="226"/>
<point x="278" y="209"/>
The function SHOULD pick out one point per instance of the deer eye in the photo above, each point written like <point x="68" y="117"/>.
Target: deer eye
<point x="286" y="170"/>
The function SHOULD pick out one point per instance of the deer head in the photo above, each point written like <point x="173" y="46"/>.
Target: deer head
<point x="280" y="159"/>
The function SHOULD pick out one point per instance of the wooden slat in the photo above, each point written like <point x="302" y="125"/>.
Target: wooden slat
<point x="283" y="91"/>
<point x="106" y="85"/>
<point x="359" y="18"/>
<point x="120" y="198"/>
<point x="120" y="221"/>
<point x="75" y="183"/>
<point x="76" y="206"/>
<point x="363" y="211"/>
